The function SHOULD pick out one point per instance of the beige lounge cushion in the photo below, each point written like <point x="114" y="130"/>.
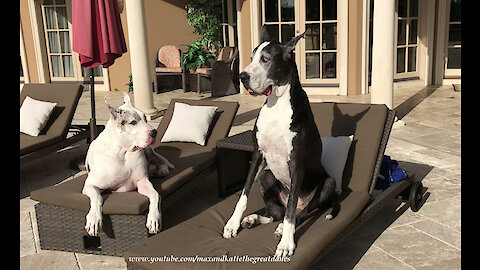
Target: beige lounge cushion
<point x="168" y="70"/>
<point x="189" y="159"/>
<point x="202" y="235"/>
<point x="169" y="56"/>
<point x="225" y="53"/>
<point x="204" y="71"/>
<point x="69" y="193"/>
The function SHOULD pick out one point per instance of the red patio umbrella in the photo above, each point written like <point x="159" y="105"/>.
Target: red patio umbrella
<point x="97" y="37"/>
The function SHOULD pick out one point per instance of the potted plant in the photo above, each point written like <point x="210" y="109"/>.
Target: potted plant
<point x="196" y="55"/>
<point x="205" y="17"/>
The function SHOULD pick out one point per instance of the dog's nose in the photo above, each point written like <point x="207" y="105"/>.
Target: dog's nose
<point x="244" y="77"/>
<point x="153" y="133"/>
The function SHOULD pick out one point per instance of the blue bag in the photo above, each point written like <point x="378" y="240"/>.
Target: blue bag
<point x="390" y="173"/>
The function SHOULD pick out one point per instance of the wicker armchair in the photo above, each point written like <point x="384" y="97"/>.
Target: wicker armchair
<point x="168" y="62"/>
<point x="223" y="73"/>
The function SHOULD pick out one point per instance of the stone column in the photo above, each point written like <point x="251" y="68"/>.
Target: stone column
<point x="137" y="37"/>
<point x="383" y="52"/>
<point x="239" y="3"/>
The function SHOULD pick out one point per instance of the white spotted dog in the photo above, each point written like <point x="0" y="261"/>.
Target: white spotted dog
<point x="288" y="142"/>
<point x="118" y="160"/>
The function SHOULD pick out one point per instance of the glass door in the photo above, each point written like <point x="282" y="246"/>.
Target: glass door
<point x="319" y="49"/>
<point x="316" y="56"/>
<point x="280" y="20"/>
<point x="62" y="60"/>
<point x="406" y="49"/>
<point x="229" y="23"/>
<point x="453" y="61"/>
<point x="278" y="16"/>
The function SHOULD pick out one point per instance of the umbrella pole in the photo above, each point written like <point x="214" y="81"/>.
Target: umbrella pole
<point x="79" y="162"/>
<point x="93" y="122"/>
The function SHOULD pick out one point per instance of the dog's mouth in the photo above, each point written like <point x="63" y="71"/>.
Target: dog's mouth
<point x="267" y="92"/>
<point x="150" y="141"/>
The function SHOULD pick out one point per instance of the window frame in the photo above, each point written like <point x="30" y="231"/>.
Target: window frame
<point x="78" y="74"/>
<point x="407" y="45"/>
<point x="24" y="78"/>
<point x="229" y="24"/>
<point x="300" y="51"/>
<point x="451" y="73"/>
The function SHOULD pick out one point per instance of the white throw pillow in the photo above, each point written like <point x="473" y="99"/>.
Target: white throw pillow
<point x="34" y="115"/>
<point x="334" y="156"/>
<point x="189" y="123"/>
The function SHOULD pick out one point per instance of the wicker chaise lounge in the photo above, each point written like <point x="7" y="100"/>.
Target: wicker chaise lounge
<point x="54" y="135"/>
<point x="201" y="236"/>
<point x="62" y="208"/>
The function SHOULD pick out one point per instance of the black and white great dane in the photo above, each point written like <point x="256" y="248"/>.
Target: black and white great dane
<point x="288" y="149"/>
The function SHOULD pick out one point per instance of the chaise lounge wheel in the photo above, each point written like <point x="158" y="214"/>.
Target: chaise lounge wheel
<point x="415" y="196"/>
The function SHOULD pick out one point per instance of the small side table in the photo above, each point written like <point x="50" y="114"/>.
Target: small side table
<point x="234" y="155"/>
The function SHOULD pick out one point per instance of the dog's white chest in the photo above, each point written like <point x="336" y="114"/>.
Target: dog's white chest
<point x="114" y="170"/>
<point x="274" y="136"/>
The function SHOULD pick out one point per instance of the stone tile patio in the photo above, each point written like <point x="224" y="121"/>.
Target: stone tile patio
<point x="396" y="238"/>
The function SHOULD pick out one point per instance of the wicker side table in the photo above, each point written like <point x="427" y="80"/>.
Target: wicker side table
<point x="233" y="161"/>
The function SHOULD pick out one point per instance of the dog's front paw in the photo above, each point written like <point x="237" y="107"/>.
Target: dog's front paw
<point x="279" y="231"/>
<point x="231" y="228"/>
<point x="250" y="221"/>
<point x="163" y="170"/>
<point x="93" y="223"/>
<point x="154" y="222"/>
<point x="285" y="248"/>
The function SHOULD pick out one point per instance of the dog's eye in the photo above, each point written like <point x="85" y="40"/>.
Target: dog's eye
<point x="133" y="122"/>
<point x="265" y="59"/>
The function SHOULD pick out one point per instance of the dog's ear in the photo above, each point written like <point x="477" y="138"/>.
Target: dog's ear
<point x="290" y="45"/>
<point x="126" y="99"/>
<point x="113" y="111"/>
<point x="264" y="36"/>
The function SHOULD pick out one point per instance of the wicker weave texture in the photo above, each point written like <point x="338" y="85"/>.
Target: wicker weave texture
<point x="63" y="229"/>
<point x="381" y="151"/>
<point x="242" y="141"/>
